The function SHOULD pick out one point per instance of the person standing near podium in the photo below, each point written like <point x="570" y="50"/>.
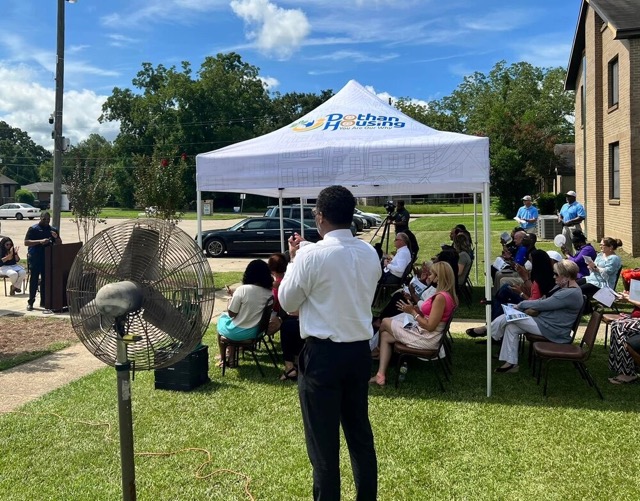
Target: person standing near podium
<point x="39" y="236"/>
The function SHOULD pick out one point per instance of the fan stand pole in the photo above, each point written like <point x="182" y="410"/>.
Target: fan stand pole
<point x="125" y="421"/>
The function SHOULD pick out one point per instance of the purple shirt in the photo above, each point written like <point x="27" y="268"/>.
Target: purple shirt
<point x="578" y="258"/>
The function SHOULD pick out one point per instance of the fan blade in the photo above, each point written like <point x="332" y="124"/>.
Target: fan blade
<point x="139" y="259"/>
<point x="163" y="314"/>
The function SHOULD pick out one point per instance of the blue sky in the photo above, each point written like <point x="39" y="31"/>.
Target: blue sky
<point x="419" y="49"/>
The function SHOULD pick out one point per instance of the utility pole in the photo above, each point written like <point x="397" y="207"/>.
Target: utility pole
<point x="57" y="120"/>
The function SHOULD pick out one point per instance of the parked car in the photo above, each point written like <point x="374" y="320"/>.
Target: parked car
<point x="374" y="219"/>
<point x="293" y="212"/>
<point x="254" y="235"/>
<point x="19" y="211"/>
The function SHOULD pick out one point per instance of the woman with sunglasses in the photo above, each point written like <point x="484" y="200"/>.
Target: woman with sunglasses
<point x="428" y="324"/>
<point x="9" y="265"/>
<point x="554" y="318"/>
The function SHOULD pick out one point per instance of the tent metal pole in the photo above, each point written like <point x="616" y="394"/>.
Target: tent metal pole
<point x="280" y="190"/>
<point x="475" y="227"/>
<point x="301" y="218"/>
<point x="486" y="217"/>
<point x="199" y="216"/>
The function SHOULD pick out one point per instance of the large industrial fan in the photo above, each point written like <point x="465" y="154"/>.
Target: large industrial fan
<point x="140" y="296"/>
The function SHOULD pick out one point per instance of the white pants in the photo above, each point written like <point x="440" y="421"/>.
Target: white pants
<point x="510" y="332"/>
<point x="14" y="272"/>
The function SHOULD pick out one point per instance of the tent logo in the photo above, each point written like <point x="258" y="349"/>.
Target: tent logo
<point x="338" y="121"/>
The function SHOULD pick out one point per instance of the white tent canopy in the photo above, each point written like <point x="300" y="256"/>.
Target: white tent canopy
<point x="356" y="140"/>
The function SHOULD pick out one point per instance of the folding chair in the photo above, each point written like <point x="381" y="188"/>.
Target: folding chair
<point x="576" y="354"/>
<point x="402" y="350"/>
<point x="250" y="345"/>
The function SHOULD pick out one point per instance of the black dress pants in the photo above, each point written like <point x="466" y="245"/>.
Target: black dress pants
<point x="333" y="385"/>
<point x="36" y="268"/>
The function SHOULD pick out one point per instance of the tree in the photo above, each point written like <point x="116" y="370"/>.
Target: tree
<point x="160" y="186"/>
<point x="523" y="110"/>
<point x="89" y="184"/>
<point x="20" y="156"/>
<point x="25" y="196"/>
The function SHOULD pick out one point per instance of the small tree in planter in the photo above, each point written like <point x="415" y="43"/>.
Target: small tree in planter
<point x="160" y="187"/>
<point x="88" y="189"/>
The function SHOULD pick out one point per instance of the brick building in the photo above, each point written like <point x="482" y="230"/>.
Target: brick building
<point x="604" y="72"/>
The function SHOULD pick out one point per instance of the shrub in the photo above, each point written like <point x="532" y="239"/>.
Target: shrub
<point x="25" y="196"/>
<point x="549" y="203"/>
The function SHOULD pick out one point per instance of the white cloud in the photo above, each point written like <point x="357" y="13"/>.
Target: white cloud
<point x="275" y="30"/>
<point x="159" y="11"/>
<point x="270" y="82"/>
<point x="357" y="57"/>
<point x="385" y="96"/>
<point x="27" y="106"/>
<point x="119" y="40"/>
<point x="545" y="51"/>
<point x="499" y="20"/>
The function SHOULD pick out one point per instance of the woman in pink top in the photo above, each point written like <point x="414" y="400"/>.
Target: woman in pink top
<point x="428" y="323"/>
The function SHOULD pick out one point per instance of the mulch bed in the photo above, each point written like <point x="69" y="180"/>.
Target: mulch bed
<point x="27" y="334"/>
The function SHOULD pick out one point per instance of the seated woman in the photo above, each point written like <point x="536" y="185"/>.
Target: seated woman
<point x="554" y="319"/>
<point x="9" y="265"/>
<point x="463" y="247"/>
<point x="625" y="332"/>
<point x="240" y="321"/>
<point x="536" y="284"/>
<point x="430" y="320"/>
<point x="290" y="341"/>
<point x="603" y="269"/>
<point x="583" y="248"/>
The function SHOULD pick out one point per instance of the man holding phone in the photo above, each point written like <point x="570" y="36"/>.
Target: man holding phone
<point x="39" y="236"/>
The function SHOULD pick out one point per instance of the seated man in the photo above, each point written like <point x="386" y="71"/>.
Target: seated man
<point x="394" y="269"/>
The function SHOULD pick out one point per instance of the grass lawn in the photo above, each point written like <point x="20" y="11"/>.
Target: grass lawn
<point x="431" y="445"/>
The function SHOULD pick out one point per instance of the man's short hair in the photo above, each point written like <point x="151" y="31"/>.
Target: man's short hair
<point x="405" y="238"/>
<point x="336" y="203"/>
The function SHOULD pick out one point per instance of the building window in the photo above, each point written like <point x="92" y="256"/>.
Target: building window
<point x="614" y="171"/>
<point x="613" y="82"/>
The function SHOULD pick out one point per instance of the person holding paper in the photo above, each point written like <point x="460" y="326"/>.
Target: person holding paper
<point x="624" y="333"/>
<point x="428" y="321"/>
<point x="603" y="269"/>
<point x="554" y="319"/>
<point x="527" y="215"/>
<point x="570" y="216"/>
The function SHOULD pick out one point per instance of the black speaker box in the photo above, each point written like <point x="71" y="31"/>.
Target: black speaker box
<point x="189" y="373"/>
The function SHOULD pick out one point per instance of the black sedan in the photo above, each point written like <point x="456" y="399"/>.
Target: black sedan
<point x="254" y="235"/>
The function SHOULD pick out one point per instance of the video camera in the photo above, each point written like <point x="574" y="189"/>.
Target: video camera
<point x="390" y="207"/>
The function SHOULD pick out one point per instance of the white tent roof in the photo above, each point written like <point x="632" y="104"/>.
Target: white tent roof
<point x="354" y="139"/>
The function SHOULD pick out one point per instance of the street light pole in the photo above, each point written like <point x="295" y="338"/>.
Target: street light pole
<point x="58" y="145"/>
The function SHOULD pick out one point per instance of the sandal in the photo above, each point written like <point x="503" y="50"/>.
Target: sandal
<point x="378" y="379"/>
<point x="289" y="375"/>
<point x="619" y="380"/>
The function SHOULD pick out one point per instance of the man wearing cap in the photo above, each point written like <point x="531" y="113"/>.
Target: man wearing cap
<point x="570" y="216"/>
<point x="527" y="215"/>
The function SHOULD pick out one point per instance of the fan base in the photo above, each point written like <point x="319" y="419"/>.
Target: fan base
<point x="189" y="373"/>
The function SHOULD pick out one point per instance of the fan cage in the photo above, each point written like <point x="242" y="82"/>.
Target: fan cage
<point x="176" y="283"/>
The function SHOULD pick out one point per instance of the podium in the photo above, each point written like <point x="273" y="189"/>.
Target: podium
<point x="57" y="265"/>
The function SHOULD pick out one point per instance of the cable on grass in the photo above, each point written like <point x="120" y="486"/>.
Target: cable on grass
<point x="198" y="473"/>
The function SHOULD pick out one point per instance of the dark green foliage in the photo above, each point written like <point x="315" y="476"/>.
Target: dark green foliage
<point x="20" y="156"/>
<point x="549" y="203"/>
<point x="25" y="196"/>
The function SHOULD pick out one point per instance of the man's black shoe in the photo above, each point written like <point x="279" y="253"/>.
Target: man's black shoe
<point x="29" y="307"/>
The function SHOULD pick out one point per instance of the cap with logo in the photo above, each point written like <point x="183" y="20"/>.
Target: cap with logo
<point x="527" y="198"/>
<point x="571" y="194"/>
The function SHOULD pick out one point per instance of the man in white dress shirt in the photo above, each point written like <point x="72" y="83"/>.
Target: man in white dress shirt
<point x="332" y="284"/>
<point x="395" y="268"/>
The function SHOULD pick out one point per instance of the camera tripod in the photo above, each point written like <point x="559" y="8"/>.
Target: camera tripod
<point x="385" y="233"/>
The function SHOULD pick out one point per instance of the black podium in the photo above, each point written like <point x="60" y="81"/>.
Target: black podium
<point x="58" y="260"/>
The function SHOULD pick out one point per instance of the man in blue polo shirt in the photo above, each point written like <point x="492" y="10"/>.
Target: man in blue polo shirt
<point x="527" y="215"/>
<point x="570" y="216"/>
